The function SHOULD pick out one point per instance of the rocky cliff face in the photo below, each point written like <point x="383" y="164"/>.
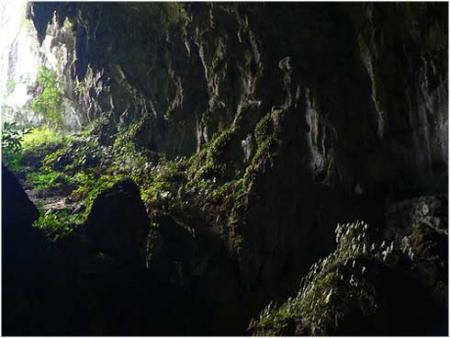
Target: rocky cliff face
<point x="369" y="81"/>
<point x="305" y="115"/>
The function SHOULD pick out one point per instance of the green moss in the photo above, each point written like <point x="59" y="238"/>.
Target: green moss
<point x="57" y="224"/>
<point x="264" y="129"/>
<point x="160" y="187"/>
<point x="211" y="163"/>
<point x="12" y="160"/>
<point x="205" y="186"/>
<point x="42" y="135"/>
<point x="90" y="185"/>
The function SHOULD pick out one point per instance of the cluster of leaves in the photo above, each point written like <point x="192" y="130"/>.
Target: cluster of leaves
<point x="10" y="86"/>
<point x="211" y="184"/>
<point x="12" y="136"/>
<point x="51" y="180"/>
<point x="49" y="101"/>
<point x="331" y="288"/>
<point x="57" y="224"/>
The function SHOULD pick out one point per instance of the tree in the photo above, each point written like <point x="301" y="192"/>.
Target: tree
<point x="48" y="102"/>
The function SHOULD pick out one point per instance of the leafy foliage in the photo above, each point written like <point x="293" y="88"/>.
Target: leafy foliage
<point x="43" y="180"/>
<point x="48" y="103"/>
<point x="41" y="136"/>
<point x="57" y="224"/>
<point x="12" y="136"/>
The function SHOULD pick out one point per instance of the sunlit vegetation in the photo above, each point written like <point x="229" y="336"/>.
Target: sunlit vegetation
<point x="12" y="137"/>
<point x="48" y="101"/>
<point x="77" y="166"/>
<point x="40" y="136"/>
<point x="57" y="224"/>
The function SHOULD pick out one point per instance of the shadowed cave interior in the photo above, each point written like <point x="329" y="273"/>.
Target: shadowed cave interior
<point x="224" y="168"/>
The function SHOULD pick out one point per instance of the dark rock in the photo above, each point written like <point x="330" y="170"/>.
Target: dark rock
<point x="200" y="266"/>
<point x="420" y="224"/>
<point x="22" y="258"/>
<point x="118" y="223"/>
<point x="18" y="212"/>
<point x="402" y="215"/>
<point x="399" y="300"/>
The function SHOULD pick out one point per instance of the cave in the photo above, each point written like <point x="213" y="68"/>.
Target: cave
<point x="224" y="169"/>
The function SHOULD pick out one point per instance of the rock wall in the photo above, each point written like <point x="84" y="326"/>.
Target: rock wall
<point x="328" y="112"/>
<point x="369" y="80"/>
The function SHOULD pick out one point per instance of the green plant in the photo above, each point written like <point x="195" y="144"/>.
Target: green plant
<point x="47" y="180"/>
<point x="80" y="87"/>
<point x="43" y="135"/>
<point x="89" y="186"/>
<point x="57" y="224"/>
<point x="12" y="136"/>
<point x="48" y="102"/>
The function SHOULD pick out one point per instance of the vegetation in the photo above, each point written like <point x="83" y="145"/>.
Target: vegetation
<point x="334" y="287"/>
<point x="210" y="186"/>
<point x="12" y="137"/>
<point x="57" y="224"/>
<point x="48" y="103"/>
<point x="41" y="136"/>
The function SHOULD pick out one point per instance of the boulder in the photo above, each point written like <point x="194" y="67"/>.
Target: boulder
<point x="22" y="258"/>
<point x="118" y="223"/>
<point x="19" y="212"/>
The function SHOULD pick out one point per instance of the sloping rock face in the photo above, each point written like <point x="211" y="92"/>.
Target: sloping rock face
<point x="326" y="111"/>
